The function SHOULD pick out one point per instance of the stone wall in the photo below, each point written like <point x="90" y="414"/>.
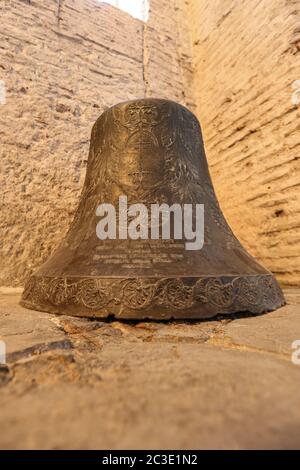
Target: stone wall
<point x="63" y="62"/>
<point x="247" y="58"/>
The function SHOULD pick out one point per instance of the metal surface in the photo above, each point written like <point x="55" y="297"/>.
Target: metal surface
<point x="150" y="150"/>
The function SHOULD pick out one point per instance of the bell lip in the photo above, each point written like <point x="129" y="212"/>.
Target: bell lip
<point x="148" y="276"/>
<point x="162" y="299"/>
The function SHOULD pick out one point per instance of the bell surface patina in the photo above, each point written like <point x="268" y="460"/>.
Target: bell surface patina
<point x="150" y="150"/>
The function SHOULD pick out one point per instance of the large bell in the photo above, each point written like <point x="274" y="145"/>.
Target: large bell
<point x="151" y="151"/>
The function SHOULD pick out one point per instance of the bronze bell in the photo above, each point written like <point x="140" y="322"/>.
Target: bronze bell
<point x="150" y="150"/>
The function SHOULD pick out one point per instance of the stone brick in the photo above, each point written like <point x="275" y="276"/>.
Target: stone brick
<point x="246" y="57"/>
<point x="63" y="66"/>
<point x="222" y="384"/>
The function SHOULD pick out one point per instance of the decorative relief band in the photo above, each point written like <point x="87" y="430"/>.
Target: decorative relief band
<point x="256" y="293"/>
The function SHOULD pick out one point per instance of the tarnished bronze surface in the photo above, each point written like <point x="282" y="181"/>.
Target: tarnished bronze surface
<point x="150" y="150"/>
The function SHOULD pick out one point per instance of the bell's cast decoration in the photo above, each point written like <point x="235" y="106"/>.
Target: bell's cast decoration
<point x="151" y="151"/>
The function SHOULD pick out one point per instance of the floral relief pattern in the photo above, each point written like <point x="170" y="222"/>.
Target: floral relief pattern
<point x="254" y="293"/>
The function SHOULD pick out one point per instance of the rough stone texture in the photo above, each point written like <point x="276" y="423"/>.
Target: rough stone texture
<point x="76" y="383"/>
<point x="246" y="57"/>
<point x="63" y="63"/>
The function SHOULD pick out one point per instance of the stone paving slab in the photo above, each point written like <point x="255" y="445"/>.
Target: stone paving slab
<point x="74" y="383"/>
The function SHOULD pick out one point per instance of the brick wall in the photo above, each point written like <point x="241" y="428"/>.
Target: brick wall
<point x="63" y="63"/>
<point x="247" y="56"/>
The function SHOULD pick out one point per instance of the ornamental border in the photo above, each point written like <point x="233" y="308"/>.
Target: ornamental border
<point x="256" y="293"/>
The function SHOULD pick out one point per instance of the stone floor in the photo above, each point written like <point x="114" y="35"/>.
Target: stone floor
<point x="74" y="383"/>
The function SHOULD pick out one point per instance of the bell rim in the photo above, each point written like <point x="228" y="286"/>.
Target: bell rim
<point x="155" y="298"/>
